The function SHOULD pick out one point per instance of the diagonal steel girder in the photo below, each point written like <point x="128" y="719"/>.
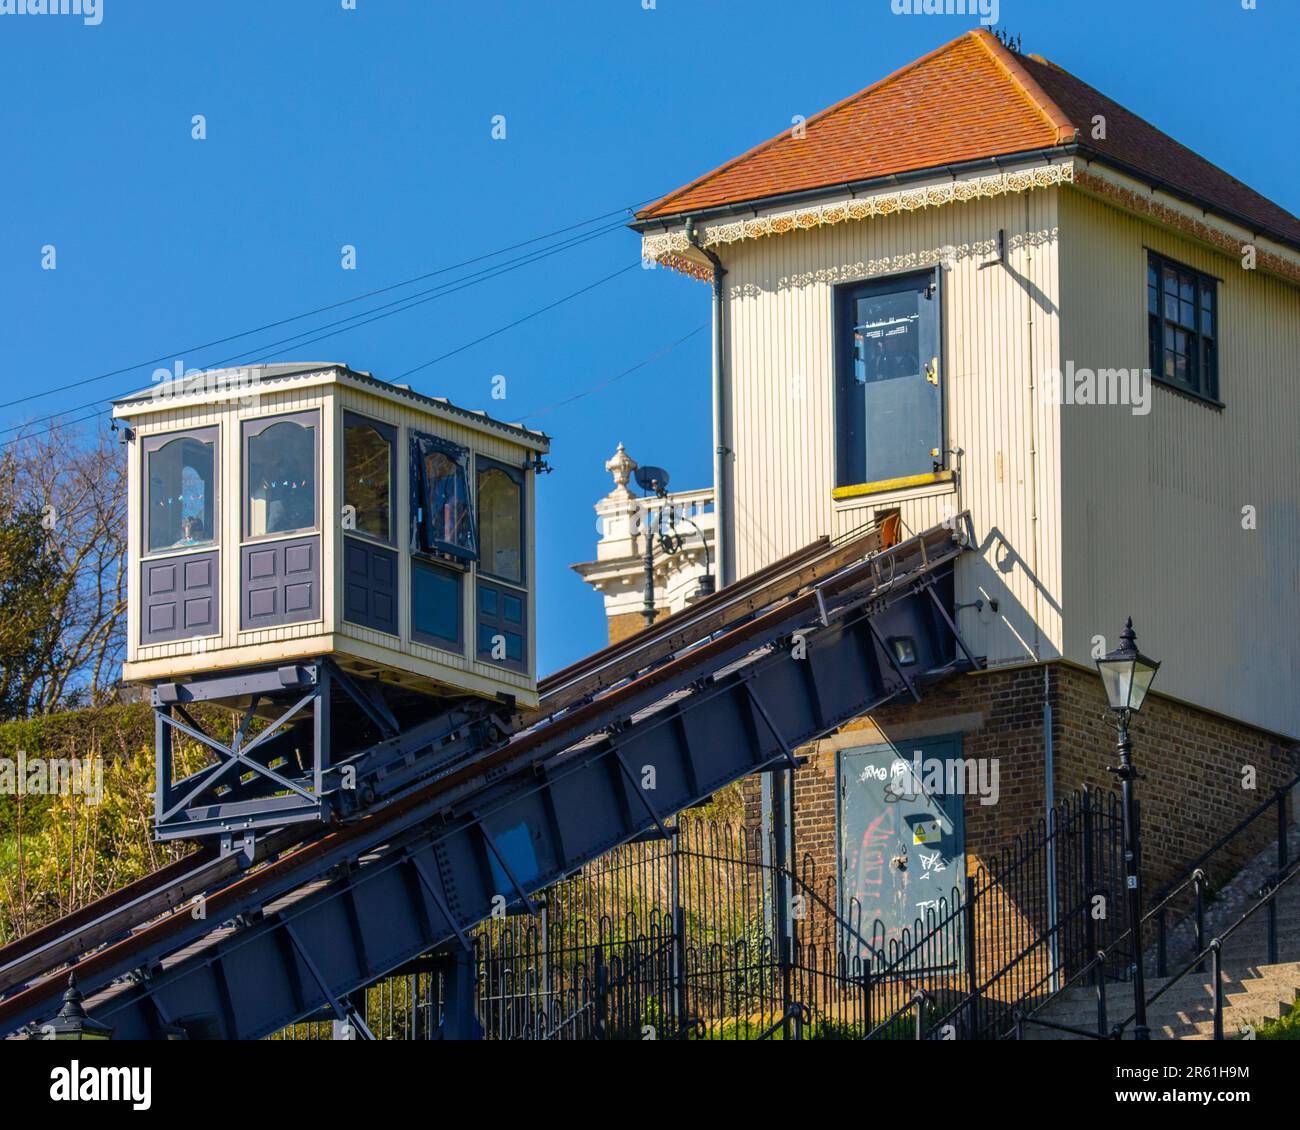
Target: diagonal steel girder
<point x="423" y="871"/>
<point x="306" y="950"/>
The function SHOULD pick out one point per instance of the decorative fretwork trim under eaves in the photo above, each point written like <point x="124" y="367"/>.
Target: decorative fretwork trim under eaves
<point x="672" y="249"/>
<point x="1185" y="219"/>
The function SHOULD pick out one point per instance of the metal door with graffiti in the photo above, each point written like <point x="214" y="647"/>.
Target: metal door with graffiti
<point x="902" y="844"/>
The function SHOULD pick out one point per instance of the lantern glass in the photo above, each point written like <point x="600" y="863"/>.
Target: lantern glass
<point x="1126" y="673"/>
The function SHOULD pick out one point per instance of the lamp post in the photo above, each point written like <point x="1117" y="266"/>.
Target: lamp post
<point x="1126" y="675"/>
<point x="653" y="480"/>
<point x="72" y="1023"/>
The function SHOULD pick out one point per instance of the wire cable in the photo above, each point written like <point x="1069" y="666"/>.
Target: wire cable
<point x="396" y="307"/>
<point x="325" y="309"/>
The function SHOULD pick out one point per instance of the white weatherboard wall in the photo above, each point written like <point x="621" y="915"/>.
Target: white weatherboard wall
<point x="1153" y="505"/>
<point x="1000" y="327"/>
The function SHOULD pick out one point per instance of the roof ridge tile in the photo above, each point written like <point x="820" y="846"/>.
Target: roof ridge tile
<point x="821" y="115"/>
<point x="1043" y="102"/>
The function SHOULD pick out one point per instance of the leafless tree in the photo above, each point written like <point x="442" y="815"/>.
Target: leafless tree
<point x="76" y="479"/>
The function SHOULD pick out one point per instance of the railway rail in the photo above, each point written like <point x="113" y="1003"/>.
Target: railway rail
<point x="236" y="946"/>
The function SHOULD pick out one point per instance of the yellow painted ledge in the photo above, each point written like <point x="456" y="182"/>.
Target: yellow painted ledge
<point x="884" y="486"/>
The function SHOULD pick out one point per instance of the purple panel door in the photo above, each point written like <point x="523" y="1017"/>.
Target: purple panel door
<point x="179" y="597"/>
<point x="369" y="585"/>
<point x="279" y="583"/>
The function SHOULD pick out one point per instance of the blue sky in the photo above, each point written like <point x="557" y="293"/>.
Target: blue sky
<point x="372" y="127"/>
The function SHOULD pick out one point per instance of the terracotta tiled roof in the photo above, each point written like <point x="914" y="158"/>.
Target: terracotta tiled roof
<point x="1132" y="141"/>
<point x="970" y="99"/>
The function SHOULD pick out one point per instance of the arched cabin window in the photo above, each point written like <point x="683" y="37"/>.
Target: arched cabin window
<point x="368" y="451"/>
<point x="180" y="508"/>
<point x="501" y="521"/>
<point x="280" y="475"/>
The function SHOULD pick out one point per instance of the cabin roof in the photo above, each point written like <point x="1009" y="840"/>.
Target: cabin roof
<point x="216" y="384"/>
<point x="972" y="100"/>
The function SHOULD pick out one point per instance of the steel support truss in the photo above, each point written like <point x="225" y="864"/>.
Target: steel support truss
<point x="433" y="869"/>
<point x="485" y="822"/>
<point x="256" y="781"/>
<point x="290" y="771"/>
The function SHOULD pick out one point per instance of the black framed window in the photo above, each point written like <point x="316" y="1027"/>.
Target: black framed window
<point x="442" y="518"/>
<point x="369" y="474"/>
<point x="180" y="503"/>
<point x="1183" y="327"/>
<point x="502" y="626"/>
<point x="500" y="520"/>
<point x="281" y="457"/>
<point x="436" y="605"/>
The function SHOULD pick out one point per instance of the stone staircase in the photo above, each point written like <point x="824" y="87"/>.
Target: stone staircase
<point x="1253" y="990"/>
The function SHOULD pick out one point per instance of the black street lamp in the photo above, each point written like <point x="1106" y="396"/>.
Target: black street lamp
<point x="72" y="1023"/>
<point x="652" y="480"/>
<point x="1126" y="675"/>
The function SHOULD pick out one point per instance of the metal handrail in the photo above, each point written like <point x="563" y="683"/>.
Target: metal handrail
<point x="793" y="1016"/>
<point x="917" y="1000"/>
<point x="1240" y="827"/>
<point x="1195" y="876"/>
<point x="1214" y="950"/>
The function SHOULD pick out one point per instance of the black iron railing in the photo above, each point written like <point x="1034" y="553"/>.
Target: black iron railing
<point x="1228" y="852"/>
<point x="1018" y="928"/>
<point x="705" y="936"/>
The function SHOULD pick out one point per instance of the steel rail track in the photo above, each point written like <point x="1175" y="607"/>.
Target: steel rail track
<point x="130" y="916"/>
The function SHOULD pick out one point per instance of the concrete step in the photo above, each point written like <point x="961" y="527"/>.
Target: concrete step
<point x="1254" y="989"/>
<point x="1186" y="1011"/>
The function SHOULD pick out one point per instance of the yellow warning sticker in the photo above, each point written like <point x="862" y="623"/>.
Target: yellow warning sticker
<point x="926" y="832"/>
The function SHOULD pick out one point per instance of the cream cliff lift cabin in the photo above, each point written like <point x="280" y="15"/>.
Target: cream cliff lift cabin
<point x="307" y="534"/>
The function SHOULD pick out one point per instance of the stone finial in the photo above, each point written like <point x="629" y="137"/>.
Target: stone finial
<point x="621" y="465"/>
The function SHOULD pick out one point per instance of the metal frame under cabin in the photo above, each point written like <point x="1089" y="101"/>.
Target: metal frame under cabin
<point x="307" y="630"/>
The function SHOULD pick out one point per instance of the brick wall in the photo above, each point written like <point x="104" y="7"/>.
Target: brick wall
<point x="1190" y="793"/>
<point x="1192" y="764"/>
<point x="629" y="623"/>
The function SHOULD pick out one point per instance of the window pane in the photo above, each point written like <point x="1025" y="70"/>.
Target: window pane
<point x="512" y="609"/>
<point x="886" y="337"/>
<point x="501" y="634"/>
<point x="1182" y="326"/>
<point x="500" y="509"/>
<point x="282" y="479"/>
<point x="442" y="519"/>
<point x="181" y="495"/>
<point x="367" y="478"/>
<point x="499" y="644"/>
<point x="435" y="603"/>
